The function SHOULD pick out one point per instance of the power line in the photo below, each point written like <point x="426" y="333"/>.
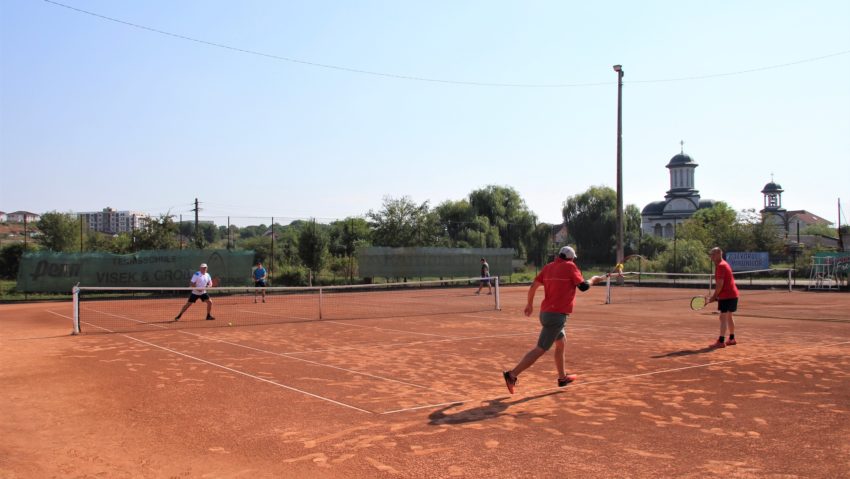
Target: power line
<point x="435" y="80"/>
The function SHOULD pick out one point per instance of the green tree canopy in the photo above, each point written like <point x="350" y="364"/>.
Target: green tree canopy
<point x="346" y="235"/>
<point x="59" y="231"/>
<point x="10" y="260"/>
<point x="507" y="211"/>
<point x="313" y="246"/>
<point x="541" y="240"/>
<point x="456" y="218"/>
<point x="688" y="256"/>
<point x="402" y="223"/>
<point x="715" y="226"/>
<point x="157" y="233"/>
<point x="591" y="218"/>
<point x="631" y="229"/>
<point x="820" y="229"/>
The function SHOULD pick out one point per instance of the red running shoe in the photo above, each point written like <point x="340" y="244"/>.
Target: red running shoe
<point x="731" y="342"/>
<point x="564" y="381"/>
<point x="716" y="345"/>
<point x="509" y="381"/>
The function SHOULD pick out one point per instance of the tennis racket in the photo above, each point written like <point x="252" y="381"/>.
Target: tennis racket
<point x="216" y="282"/>
<point x="698" y="302"/>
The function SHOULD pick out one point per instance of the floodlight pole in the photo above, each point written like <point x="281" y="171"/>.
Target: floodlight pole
<point x="620" y="229"/>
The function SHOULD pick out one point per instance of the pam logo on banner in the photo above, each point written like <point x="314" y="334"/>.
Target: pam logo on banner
<point x="749" y="261"/>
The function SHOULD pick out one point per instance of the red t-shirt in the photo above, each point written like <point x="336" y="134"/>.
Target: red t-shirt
<point x="724" y="272"/>
<point x="559" y="279"/>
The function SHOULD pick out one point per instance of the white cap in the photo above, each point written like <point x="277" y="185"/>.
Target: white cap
<point x="204" y="265"/>
<point x="568" y="252"/>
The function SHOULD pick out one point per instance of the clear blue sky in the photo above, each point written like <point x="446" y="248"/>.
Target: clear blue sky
<point x="95" y="113"/>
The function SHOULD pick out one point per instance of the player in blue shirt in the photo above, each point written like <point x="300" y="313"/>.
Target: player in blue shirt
<point x="260" y="275"/>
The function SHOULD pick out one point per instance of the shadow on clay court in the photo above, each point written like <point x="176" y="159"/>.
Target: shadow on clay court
<point x="493" y="409"/>
<point x="684" y="352"/>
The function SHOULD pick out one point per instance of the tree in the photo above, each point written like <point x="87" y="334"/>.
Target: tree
<point x="456" y="218"/>
<point x="591" y="219"/>
<point x="764" y="238"/>
<point x="313" y="247"/>
<point x="350" y="233"/>
<point x="10" y="260"/>
<point x="507" y="211"/>
<point x="715" y="226"/>
<point x="287" y="244"/>
<point x="689" y="256"/>
<point x="631" y="226"/>
<point x="97" y="241"/>
<point x="59" y="231"/>
<point x="541" y="240"/>
<point x="209" y="232"/>
<point x="402" y="223"/>
<point x="345" y="237"/>
<point x="156" y="233"/>
<point x="122" y="244"/>
<point x="820" y="229"/>
<point x="651" y="246"/>
<point x="262" y="246"/>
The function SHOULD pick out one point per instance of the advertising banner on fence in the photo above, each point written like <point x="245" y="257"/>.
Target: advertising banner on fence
<point x="46" y="271"/>
<point x="839" y="261"/>
<point x="748" y="261"/>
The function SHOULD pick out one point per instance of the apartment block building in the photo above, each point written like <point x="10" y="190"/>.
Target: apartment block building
<point x="112" y="221"/>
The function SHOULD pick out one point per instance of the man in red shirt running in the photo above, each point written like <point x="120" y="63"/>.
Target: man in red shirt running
<point x="559" y="279"/>
<point x="726" y="295"/>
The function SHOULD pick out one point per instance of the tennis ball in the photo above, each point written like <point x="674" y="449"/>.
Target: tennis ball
<point x="230" y="324"/>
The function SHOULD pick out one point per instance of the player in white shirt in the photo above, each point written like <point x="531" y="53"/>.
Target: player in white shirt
<point x="200" y="281"/>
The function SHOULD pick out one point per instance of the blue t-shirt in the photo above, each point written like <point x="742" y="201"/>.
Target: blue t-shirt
<point x="259" y="273"/>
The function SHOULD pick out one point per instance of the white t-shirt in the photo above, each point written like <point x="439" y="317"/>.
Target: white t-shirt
<point x="200" y="282"/>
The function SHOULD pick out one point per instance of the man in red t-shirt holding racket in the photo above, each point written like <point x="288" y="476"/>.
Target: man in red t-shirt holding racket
<point x="726" y="295"/>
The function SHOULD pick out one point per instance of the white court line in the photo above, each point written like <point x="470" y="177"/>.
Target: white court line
<point x="286" y="356"/>
<point x="221" y="366"/>
<point x="316" y="363"/>
<point x="347" y="324"/>
<point x="385" y="329"/>
<point x="275" y="316"/>
<point x="618" y="379"/>
<point x="384" y="344"/>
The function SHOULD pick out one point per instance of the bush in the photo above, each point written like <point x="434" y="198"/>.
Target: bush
<point x="10" y="260"/>
<point x="689" y="256"/>
<point x="291" y="276"/>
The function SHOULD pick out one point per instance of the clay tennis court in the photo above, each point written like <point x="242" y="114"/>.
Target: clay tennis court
<point x="423" y="396"/>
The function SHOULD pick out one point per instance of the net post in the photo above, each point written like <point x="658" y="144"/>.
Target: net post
<point x="320" y="303"/>
<point x="498" y="298"/>
<point x="75" y="292"/>
<point x="608" y="289"/>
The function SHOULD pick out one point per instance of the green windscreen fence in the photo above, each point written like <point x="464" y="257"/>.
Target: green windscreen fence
<point x="45" y="271"/>
<point x="432" y="262"/>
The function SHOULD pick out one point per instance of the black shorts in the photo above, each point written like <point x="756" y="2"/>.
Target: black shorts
<point x="260" y="283"/>
<point x="194" y="297"/>
<point x="727" y="305"/>
<point x="485" y="282"/>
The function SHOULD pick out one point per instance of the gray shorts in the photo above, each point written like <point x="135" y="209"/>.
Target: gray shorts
<point x="553" y="328"/>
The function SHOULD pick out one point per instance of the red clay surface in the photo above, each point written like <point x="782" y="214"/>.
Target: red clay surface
<point x="424" y="396"/>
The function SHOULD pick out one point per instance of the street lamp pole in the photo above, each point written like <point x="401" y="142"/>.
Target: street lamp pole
<point x="620" y="229"/>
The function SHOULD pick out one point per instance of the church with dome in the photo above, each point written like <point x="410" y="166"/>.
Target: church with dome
<point x="660" y="218"/>
<point x="682" y="200"/>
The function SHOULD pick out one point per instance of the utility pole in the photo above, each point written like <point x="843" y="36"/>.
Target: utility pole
<point x="197" y="230"/>
<point x="619" y="70"/>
